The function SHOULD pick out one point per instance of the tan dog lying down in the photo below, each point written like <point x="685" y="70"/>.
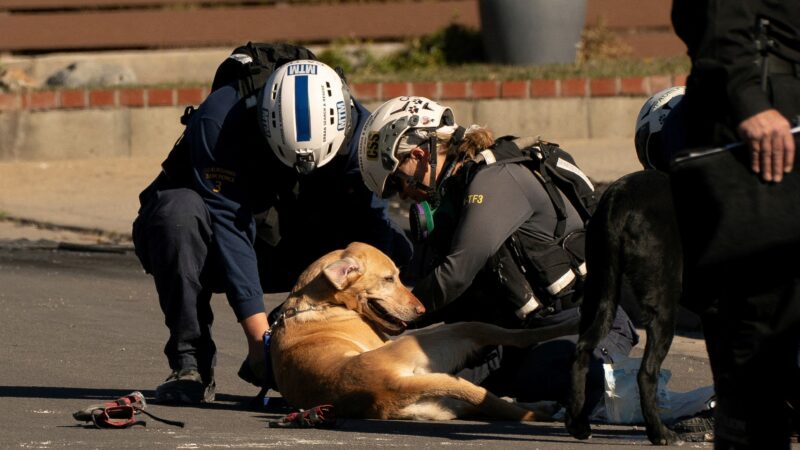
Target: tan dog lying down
<point x="330" y="346"/>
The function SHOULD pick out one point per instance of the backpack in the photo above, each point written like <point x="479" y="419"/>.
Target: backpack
<point x="553" y="167"/>
<point x="548" y="272"/>
<point x="250" y="66"/>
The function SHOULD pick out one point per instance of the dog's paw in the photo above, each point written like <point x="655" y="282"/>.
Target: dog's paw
<point x="664" y="436"/>
<point x="579" y="429"/>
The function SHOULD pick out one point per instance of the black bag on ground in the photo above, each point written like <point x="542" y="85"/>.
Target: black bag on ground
<point x="727" y="214"/>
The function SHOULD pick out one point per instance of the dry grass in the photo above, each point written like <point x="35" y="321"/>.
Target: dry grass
<point x="599" y="43"/>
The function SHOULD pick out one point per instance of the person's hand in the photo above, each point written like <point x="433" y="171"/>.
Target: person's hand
<point x="772" y="151"/>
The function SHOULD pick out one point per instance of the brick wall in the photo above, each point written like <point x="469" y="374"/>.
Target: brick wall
<point x="439" y="90"/>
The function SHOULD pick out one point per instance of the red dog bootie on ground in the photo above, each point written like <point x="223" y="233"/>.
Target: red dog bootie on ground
<point x="317" y="417"/>
<point x="116" y="413"/>
<point x="120" y="413"/>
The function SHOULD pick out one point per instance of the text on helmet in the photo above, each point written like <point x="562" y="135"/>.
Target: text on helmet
<point x="372" y="145"/>
<point x="302" y="69"/>
<point x="341" y="113"/>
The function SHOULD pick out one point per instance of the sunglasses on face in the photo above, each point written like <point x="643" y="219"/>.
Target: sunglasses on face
<point x="396" y="183"/>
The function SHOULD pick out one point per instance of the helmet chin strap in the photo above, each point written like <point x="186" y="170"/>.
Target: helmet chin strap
<point x="432" y="192"/>
<point x="305" y="163"/>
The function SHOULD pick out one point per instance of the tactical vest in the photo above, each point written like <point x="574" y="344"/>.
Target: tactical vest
<point x="542" y="276"/>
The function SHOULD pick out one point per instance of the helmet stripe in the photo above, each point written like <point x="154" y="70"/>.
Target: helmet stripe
<point x="302" y="113"/>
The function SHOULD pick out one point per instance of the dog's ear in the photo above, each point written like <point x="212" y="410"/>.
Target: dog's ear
<point x="343" y="272"/>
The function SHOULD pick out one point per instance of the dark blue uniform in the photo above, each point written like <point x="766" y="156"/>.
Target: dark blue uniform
<point x="196" y="231"/>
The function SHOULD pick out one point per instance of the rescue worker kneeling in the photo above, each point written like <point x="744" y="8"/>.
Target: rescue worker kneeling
<point x="507" y="245"/>
<point x="244" y="153"/>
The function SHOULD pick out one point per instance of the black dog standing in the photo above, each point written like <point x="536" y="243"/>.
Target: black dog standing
<point x="633" y="233"/>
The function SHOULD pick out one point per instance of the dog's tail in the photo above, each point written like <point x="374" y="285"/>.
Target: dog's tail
<point x="605" y="263"/>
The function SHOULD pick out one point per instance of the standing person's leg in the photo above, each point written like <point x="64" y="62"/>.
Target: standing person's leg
<point x="754" y="360"/>
<point x="172" y="236"/>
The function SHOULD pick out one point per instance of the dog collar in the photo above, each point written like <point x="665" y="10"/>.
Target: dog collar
<point x="288" y="313"/>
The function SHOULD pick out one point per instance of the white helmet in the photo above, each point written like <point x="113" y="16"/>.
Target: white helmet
<point x="304" y="111"/>
<point x="381" y="134"/>
<point x="650" y="122"/>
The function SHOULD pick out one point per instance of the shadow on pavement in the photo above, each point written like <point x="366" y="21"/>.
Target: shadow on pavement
<point x="223" y="401"/>
<point x="467" y="431"/>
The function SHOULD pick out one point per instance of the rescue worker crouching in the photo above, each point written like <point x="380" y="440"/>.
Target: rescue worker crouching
<point x="503" y="250"/>
<point x="196" y="232"/>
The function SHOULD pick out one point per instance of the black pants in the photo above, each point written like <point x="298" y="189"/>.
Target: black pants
<point x="172" y="238"/>
<point x="753" y="342"/>
<point x="174" y="242"/>
<point x="754" y="334"/>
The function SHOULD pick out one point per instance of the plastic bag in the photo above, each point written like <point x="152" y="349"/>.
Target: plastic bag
<point x="622" y="391"/>
<point x="621" y="400"/>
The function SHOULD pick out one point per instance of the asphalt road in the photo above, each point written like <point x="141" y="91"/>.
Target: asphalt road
<point x="82" y="327"/>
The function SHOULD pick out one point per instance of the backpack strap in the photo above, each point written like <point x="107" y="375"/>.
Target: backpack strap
<point x="187" y="114"/>
<point x="249" y="72"/>
<point x="507" y="151"/>
<point x="545" y="174"/>
<point x="553" y="167"/>
<point x="563" y="171"/>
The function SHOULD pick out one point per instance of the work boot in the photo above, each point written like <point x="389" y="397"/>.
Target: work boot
<point x="698" y="428"/>
<point x="186" y="386"/>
